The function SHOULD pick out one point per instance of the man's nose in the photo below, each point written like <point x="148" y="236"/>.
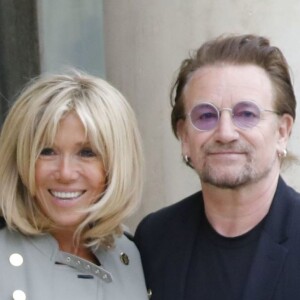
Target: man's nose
<point x="226" y="131"/>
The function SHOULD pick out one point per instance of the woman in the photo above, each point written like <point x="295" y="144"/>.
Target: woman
<point x="71" y="171"/>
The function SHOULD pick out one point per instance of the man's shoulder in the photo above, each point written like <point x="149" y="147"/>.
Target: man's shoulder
<point x="185" y="205"/>
<point x="287" y="196"/>
<point x="176" y="213"/>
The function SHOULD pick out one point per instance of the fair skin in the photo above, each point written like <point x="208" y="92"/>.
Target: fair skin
<point x="238" y="168"/>
<point x="69" y="177"/>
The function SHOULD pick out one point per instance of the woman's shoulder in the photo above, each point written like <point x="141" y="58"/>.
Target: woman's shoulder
<point x="124" y="263"/>
<point x="125" y="242"/>
<point x="124" y="254"/>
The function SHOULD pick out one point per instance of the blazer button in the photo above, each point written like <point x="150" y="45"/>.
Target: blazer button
<point x="149" y="292"/>
<point x="19" y="295"/>
<point x="16" y="260"/>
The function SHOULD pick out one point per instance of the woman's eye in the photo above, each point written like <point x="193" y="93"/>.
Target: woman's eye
<point x="87" y="152"/>
<point x="47" y="152"/>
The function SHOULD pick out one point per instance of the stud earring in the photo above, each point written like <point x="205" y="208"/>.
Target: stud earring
<point x="282" y="153"/>
<point x="186" y="159"/>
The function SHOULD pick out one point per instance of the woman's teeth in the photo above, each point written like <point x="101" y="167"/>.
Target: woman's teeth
<point x="66" y="195"/>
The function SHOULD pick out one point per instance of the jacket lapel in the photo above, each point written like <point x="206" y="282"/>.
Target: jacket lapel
<point x="272" y="248"/>
<point x="181" y="243"/>
<point x="266" y="269"/>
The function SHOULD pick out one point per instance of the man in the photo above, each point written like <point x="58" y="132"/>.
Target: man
<point x="238" y="238"/>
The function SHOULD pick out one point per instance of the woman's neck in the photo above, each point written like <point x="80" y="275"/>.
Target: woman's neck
<point x="66" y="243"/>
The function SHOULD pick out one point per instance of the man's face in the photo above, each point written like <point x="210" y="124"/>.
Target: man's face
<point x="228" y="156"/>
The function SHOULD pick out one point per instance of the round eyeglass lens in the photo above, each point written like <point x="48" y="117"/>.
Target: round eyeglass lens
<point x="245" y="114"/>
<point x="204" y="116"/>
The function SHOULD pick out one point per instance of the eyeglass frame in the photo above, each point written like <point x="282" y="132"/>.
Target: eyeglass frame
<point x="219" y="111"/>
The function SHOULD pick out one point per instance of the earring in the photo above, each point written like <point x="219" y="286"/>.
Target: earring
<point x="186" y="159"/>
<point x="282" y="153"/>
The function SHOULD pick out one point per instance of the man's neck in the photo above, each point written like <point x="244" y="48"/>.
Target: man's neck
<point x="233" y="212"/>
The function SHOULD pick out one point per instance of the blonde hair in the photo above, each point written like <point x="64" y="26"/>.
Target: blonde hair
<point x="112" y="130"/>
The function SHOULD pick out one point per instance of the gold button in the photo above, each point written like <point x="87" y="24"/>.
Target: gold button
<point x="19" y="295"/>
<point x="124" y="258"/>
<point x="16" y="259"/>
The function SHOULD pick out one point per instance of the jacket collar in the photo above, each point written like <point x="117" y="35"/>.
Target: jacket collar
<point x="268" y="261"/>
<point x="273" y="246"/>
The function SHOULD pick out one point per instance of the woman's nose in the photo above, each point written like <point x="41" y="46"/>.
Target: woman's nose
<point x="67" y="169"/>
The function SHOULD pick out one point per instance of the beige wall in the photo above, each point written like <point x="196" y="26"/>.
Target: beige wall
<point x="145" y="42"/>
<point x="71" y="35"/>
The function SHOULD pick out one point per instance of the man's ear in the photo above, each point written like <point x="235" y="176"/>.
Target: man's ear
<point x="286" y="123"/>
<point x="182" y="134"/>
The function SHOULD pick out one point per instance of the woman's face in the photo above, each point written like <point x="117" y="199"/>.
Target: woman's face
<point x="69" y="175"/>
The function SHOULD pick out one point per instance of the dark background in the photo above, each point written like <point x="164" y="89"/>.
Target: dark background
<point x="19" y="50"/>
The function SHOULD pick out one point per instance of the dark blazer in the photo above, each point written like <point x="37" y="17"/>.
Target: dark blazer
<point x="166" y="238"/>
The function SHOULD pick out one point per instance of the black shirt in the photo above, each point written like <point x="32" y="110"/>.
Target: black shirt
<point x="222" y="264"/>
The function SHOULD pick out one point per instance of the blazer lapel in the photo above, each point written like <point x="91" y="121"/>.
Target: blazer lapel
<point x="266" y="269"/>
<point x="272" y="248"/>
<point x="181" y="243"/>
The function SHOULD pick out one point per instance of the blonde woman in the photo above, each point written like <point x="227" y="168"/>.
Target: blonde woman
<point x="70" y="172"/>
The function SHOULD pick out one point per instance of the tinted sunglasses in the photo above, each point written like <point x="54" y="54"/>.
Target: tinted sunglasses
<point x="245" y="114"/>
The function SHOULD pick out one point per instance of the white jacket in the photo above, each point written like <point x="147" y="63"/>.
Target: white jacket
<point x="33" y="268"/>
